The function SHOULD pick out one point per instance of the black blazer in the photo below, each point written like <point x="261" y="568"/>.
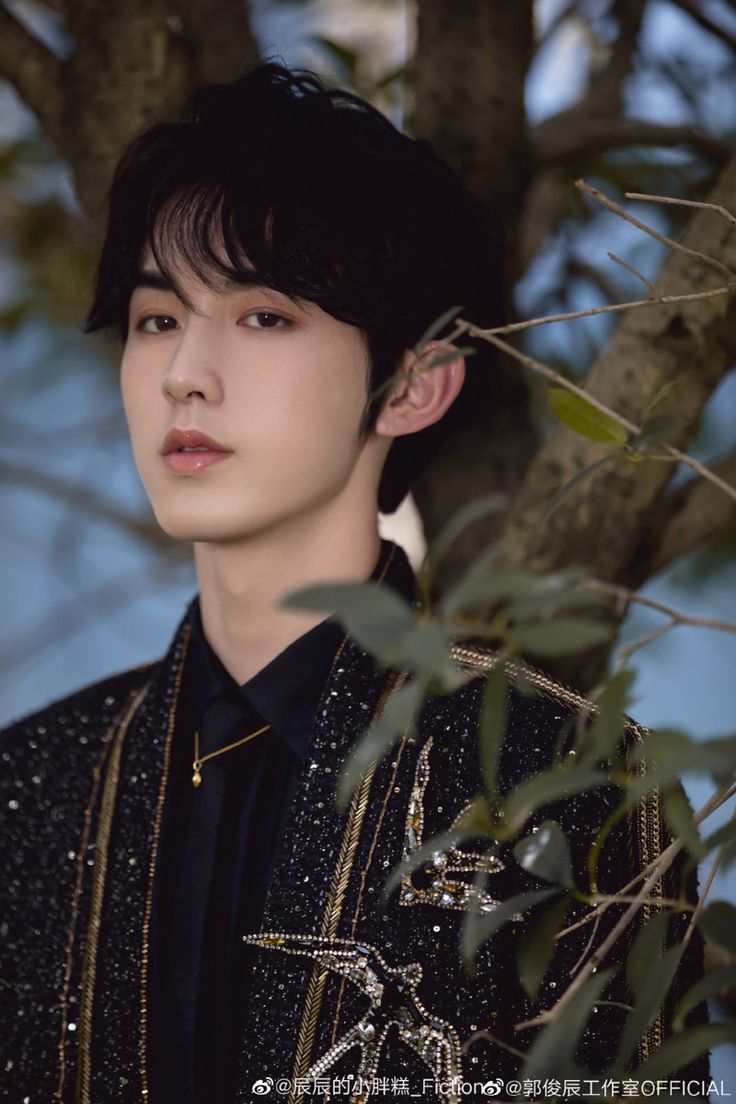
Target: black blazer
<point x="341" y="985"/>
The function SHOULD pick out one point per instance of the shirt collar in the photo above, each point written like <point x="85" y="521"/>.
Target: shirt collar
<point x="287" y="691"/>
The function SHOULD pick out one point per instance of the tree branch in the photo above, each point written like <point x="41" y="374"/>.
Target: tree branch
<point x="79" y="497"/>
<point x="604" y="96"/>
<point x="684" y="519"/>
<point x="32" y="69"/>
<point x="571" y="135"/>
<point x="691" y="8"/>
<point x="221" y="47"/>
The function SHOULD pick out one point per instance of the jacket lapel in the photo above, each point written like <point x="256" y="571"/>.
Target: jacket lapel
<point x="308" y="891"/>
<point x="112" y="1041"/>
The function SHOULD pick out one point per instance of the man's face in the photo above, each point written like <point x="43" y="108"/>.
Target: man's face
<point x="279" y="387"/>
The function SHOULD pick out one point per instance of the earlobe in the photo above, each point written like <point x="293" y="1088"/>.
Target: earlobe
<point x="426" y="386"/>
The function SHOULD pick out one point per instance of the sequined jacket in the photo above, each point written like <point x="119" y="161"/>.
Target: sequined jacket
<point x="343" y="984"/>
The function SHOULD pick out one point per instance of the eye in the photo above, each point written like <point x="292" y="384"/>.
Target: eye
<point x="266" y="320"/>
<point x="157" y="323"/>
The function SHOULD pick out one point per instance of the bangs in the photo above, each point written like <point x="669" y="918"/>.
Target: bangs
<point x="234" y="215"/>
<point x="198" y="231"/>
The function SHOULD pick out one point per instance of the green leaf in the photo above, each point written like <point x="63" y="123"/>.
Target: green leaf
<point x="584" y="418"/>
<point x="646" y="947"/>
<point x="12" y="317"/>
<point x="546" y="854"/>
<point x="554" y="593"/>
<point x="602" y="738"/>
<point x="659" y="428"/>
<point x="426" y="853"/>
<point x="537" y="946"/>
<point x="483" y="585"/>
<point x="555" y="1046"/>
<point x="437" y="326"/>
<point x="549" y="785"/>
<point x="679" y="815"/>
<point x="471" y="512"/>
<point x="680" y="1049"/>
<point x="478" y="926"/>
<point x="710" y="985"/>
<point x="437" y="359"/>
<point x="717" y="922"/>
<point x="384" y="624"/>
<point x="655" y="401"/>
<point x="656" y="982"/>
<point x="347" y="57"/>
<point x="371" y="612"/>
<point x="399" y="714"/>
<point x="671" y="753"/>
<point x="723" y="835"/>
<point x="572" y="484"/>
<point x="562" y="636"/>
<point x="425" y="650"/>
<point x="728" y="856"/>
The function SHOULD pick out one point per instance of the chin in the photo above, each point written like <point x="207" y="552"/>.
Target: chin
<point x="211" y="525"/>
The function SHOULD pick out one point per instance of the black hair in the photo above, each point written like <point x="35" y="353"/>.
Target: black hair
<point x="314" y="193"/>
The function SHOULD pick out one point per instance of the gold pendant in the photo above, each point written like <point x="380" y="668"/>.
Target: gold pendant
<point x="196" y="777"/>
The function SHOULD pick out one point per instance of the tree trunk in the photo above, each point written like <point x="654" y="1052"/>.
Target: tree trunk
<point x="471" y="65"/>
<point x="691" y="345"/>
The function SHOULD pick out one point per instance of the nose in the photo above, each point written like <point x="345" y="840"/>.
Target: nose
<point x="191" y="372"/>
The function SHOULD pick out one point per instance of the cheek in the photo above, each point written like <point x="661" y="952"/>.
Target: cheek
<point x="312" y="399"/>
<point x="135" y="388"/>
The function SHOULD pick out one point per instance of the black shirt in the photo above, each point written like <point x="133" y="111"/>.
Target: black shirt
<point x="219" y="844"/>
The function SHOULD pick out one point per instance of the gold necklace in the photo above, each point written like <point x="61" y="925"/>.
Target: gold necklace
<point x="199" y="760"/>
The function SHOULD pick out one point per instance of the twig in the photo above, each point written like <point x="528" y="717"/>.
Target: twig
<point x="610" y="308"/>
<point x="714" y="802"/>
<point x="634" y="272"/>
<point x="666" y="902"/>
<point x="668" y="856"/>
<point x="611" y="205"/>
<point x="718" y="207"/>
<point x="550" y="374"/>
<point x="675" y="617"/>
<point x="483" y="1034"/>
<point x="616" y="1004"/>
<point x="703" y="896"/>
<point x="625" y="653"/>
<point x="588" y="944"/>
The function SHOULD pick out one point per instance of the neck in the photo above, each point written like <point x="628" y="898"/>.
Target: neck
<point x="242" y="583"/>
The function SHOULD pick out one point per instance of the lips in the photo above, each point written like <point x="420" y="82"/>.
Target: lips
<point x="187" y="451"/>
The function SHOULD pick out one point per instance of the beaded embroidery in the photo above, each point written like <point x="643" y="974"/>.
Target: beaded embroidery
<point x="391" y="991"/>
<point x="436" y="883"/>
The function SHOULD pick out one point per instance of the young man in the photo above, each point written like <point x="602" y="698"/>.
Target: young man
<point x="189" y="917"/>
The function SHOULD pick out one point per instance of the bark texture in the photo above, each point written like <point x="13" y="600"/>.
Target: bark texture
<point x="468" y="83"/>
<point x="131" y="65"/>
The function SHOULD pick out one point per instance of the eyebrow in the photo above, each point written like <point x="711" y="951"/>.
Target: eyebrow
<point x="148" y="278"/>
<point x="154" y="278"/>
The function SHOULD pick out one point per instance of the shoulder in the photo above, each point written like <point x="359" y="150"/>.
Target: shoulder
<point x="79" y="718"/>
<point x="479" y="661"/>
<point x="536" y="701"/>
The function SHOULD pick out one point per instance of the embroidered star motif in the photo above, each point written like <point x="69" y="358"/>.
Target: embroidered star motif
<point x="391" y="991"/>
<point x="437" y="882"/>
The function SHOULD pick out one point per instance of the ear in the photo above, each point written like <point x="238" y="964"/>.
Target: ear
<point x="422" y="393"/>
